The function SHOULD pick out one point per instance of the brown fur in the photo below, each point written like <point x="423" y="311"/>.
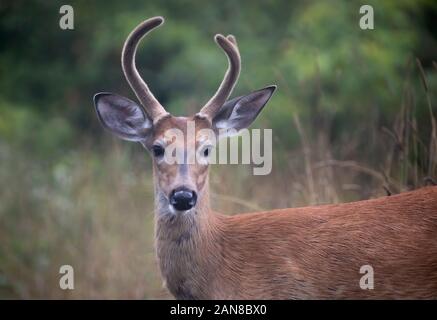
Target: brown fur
<point x="312" y="252"/>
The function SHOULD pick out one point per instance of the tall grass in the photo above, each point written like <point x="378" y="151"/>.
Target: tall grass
<point x="92" y="211"/>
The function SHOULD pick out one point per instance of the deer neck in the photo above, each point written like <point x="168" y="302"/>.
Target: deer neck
<point x="187" y="246"/>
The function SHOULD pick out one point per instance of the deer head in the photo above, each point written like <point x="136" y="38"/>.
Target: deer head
<point x="178" y="186"/>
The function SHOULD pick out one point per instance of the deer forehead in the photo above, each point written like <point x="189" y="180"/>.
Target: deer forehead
<point x="188" y="127"/>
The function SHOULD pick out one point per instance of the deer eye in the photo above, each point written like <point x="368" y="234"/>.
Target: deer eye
<point x="158" y="151"/>
<point x="206" y="151"/>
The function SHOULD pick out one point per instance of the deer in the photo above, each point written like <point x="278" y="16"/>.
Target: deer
<point x="314" y="252"/>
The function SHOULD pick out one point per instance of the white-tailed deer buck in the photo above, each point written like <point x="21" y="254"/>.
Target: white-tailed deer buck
<point x="312" y="252"/>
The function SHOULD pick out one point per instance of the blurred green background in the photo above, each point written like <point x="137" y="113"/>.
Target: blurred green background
<point x="353" y="118"/>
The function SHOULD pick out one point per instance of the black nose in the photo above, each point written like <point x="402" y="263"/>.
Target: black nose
<point x="183" y="199"/>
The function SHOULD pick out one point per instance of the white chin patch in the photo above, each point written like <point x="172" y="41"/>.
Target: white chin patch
<point x="173" y="211"/>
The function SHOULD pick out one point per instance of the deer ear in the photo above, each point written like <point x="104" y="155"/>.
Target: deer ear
<point x="239" y="113"/>
<point x="123" y="117"/>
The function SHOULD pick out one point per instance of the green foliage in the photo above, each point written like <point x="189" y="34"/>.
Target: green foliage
<point x="315" y="51"/>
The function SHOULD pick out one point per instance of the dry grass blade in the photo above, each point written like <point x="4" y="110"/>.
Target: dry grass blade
<point x="432" y="164"/>
<point x="239" y="201"/>
<point x="356" y="166"/>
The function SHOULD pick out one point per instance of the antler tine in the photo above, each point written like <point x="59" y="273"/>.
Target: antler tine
<point x="153" y="108"/>
<point x="231" y="38"/>
<point x="229" y="46"/>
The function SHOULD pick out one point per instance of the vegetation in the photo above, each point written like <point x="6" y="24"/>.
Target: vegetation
<point x="354" y="117"/>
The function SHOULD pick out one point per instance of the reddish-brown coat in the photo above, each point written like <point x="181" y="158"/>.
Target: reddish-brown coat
<point x="310" y="252"/>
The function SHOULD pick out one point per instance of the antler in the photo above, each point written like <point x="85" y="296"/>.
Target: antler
<point x="153" y="108"/>
<point x="229" y="46"/>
